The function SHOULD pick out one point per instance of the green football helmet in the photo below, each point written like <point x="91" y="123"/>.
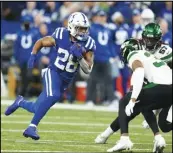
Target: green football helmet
<point x="151" y="36"/>
<point x="128" y="46"/>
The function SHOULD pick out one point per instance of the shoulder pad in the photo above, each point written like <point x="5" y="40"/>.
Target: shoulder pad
<point x="90" y="44"/>
<point x="58" y="34"/>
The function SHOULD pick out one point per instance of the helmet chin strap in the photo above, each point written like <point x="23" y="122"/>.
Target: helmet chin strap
<point x="73" y="39"/>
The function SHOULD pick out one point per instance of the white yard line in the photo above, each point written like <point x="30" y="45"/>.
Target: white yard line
<point x="56" y="123"/>
<point x="51" y="131"/>
<point x="59" y="151"/>
<point x="56" y="117"/>
<point x="32" y="151"/>
<point x="61" y="141"/>
<point x="65" y="123"/>
<point x="75" y="132"/>
<point x="70" y="106"/>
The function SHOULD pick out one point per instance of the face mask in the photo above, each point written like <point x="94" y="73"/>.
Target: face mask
<point x="26" y="26"/>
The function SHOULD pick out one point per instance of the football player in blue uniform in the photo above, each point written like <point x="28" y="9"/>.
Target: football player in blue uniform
<point x="121" y="33"/>
<point x="101" y="74"/>
<point x="74" y="48"/>
<point x="26" y="38"/>
<point x="137" y="27"/>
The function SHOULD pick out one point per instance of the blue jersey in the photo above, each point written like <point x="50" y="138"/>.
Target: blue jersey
<point x="103" y="37"/>
<point x="136" y="31"/>
<point x="167" y="15"/>
<point x="65" y="63"/>
<point x="49" y="52"/>
<point x="121" y="33"/>
<point x="24" y="44"/>
<point x="167" y="38"/>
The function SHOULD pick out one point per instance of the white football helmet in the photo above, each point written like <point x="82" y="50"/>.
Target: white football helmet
<point x="76" y="21"/>
<point x="147" y="16"/>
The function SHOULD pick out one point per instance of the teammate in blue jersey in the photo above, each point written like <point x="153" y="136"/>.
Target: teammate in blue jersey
<point x="26" y="37"/>
<point x="74" y="48"/>
<point x="121" y="33"/>
<point x="137" y="27"/>
<point x="100" y="77"/>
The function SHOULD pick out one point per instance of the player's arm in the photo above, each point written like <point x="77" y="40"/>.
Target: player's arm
<point x="47" y="41"/>
<point x="86" y="62"/>
<point x="137" y="79"/>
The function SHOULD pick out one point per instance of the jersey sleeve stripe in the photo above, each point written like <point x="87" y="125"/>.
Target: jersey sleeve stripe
<point x="92" y="44"/>
<point x="57" y="32"/>
<point x="61" y="33"/>
<point x="88" y="42"/>
<point x="130" y="55"/>
<point x="167" y="57"/>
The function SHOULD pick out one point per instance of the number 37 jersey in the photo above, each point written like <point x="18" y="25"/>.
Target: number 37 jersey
<point x="64" y="62"/>
<point x="155" y="70"/>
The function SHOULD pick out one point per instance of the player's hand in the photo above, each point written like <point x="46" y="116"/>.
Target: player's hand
<point x="77" y="50"/>
<point x="129" y="108"/>
<point x="31" y="61"/>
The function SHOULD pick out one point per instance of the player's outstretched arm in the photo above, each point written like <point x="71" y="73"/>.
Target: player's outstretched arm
<point x="137" y="80"/>
<point x="47" y="41"/>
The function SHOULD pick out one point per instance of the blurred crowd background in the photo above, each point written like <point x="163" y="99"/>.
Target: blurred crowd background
<point x="22" y="23"/>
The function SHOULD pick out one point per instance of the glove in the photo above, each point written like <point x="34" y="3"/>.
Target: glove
<point x="31" y="61"/>
<point x="77" y="50"/>
<point x="129" y="108"/>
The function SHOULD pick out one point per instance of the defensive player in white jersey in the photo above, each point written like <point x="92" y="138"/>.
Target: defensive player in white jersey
<point x="151" y="41"/>
<point x="150" y="97"/>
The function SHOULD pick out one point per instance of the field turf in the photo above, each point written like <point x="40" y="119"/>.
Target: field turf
<point x="65" y="130"/>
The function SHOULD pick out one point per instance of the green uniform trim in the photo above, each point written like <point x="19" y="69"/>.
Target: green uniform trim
<point x="150" y="85"/>
<point x="167" y="57"/>
<point x="130" y="55"/>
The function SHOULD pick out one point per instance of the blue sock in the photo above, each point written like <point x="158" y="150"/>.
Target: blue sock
<point x="27" y="105"/>
<point x="31" y="106"/>
<point x="45" y="105"/>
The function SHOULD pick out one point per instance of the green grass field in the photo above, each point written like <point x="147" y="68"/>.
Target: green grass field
<point x="70" y="131"/>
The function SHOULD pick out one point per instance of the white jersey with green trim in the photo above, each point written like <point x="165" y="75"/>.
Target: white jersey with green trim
<point x="164" y="52"/>
<point x="155" y="70"/>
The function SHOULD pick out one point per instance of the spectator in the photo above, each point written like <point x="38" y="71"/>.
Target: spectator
<point x="147" y="16"/>
<point x="26" y="37"/>
<point x="50" y="12"/>
<point x="157" y="6"/>
<point x="136" y="28"/>
<point x="100" y="77"/>
<point x="38" y="20"/>
<point x="30" y="9"/>
<point x="140" y="5"/>
<point x="121" y="33"/>
<point x="45" y="53"/>
<point x="166" y="34"/>
<point x="121" y="7"/>
<point x="166" y="13"/>
<point x="51" y="16"/>
<point x="87" y="7"/>
<point x="12" y="10"/>
<point x="68" y="7"/>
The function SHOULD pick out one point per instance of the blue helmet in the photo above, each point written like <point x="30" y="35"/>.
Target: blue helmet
<point x="27" y="18"/>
